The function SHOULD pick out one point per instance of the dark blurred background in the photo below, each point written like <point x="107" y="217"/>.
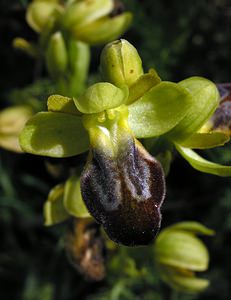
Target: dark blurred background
<point x="179" y="39"/>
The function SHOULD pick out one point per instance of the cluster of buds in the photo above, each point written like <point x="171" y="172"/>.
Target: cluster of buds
<point x="66" y="29"/>
<point x="89" y="21"/>
<point x="122" y="186"/>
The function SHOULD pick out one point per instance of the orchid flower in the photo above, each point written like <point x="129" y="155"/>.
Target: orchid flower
<point x="122" y="186"/>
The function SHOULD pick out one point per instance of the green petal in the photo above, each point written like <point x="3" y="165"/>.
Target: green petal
<point x="143" y="84"/>
<point x="54" y="134"/>
<point x="104" y="30"/>
<point x="191" y="226"/>
<point x="54" y="210"/>
<point x="159" y="110"/>
<point x="58" y="103"/>
<point x="101" y="96"/>
<point x="73" y="201"/>
<point x="205" y="140"/>
<point x="205" y="98"/>
<point x="203" y="165"/>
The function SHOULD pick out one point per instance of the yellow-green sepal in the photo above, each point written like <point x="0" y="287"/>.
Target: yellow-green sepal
<point x="54" y="210"/>
<point x="54" y="134"/>
<point x="101" y="96"/>
<point x="205" y="140"/>
<point x="73" y="201"/>
<point x="58" y="103"/>
<point x="203" y="165"/>
<point x="142" y="85"/>
<point x="205" y="99"/>
<point x="159" y="110"/>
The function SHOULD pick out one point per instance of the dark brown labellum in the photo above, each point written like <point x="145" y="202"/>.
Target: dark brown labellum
<point x="125" y="193"/>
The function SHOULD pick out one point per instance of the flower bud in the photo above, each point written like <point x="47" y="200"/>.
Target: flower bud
<point x="120" y="63"/>
<point x="86" y="250"/>
<point x="12" y="121"/>
<point x="25" y="46"/>
<point x="122" y="185"/>
<point x="104" y="30"/>
<point x="54" y="210"/>
<point x="56" y="55"/>
<point x="40" y="12"/>
<point x="81" y="13"/>
<point x="179" y="253"/>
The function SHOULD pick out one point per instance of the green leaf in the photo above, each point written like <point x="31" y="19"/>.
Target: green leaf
<point x="205" y="140"/>
<point x="159" y="110"/>
<point x="203" y="165"/>
<point x="205" y="98"/>
<point x="142" y="85"/>
<point x="54" y="210"/>
<point x="54" y="134"/>
<point x="104" y="30"/>
<point x="73" y="201"/>
<point x="101" y="96"/>
<point x="58" y="103"/>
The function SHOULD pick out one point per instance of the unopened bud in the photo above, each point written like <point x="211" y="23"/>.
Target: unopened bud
<point x="56" y="56"/>
<point x="40" y="12"/>
<point x="81" y="13"/>
<point x="121" y="63"/>
<point x="179" y="254"/>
